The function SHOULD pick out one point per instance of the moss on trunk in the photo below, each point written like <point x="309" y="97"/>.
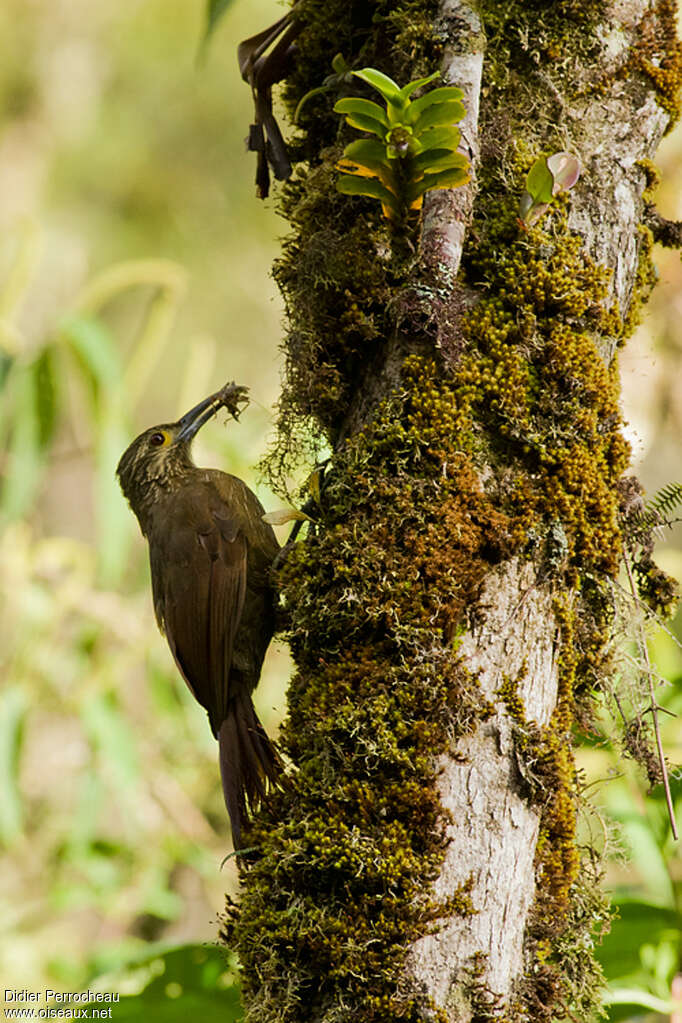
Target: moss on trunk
<point x="506" y="441"/>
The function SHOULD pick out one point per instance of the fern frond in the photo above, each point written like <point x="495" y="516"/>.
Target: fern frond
<point x="666" y="501"/>
<point x="657" y="514"/>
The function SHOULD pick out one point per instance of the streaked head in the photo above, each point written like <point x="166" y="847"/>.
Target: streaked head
<point x="162" y="453"/>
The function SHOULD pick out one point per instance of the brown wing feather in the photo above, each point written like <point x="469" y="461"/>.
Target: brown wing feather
<point x="199" y="594"/>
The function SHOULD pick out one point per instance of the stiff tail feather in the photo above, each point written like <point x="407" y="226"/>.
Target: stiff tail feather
<point x="249" y="763"/>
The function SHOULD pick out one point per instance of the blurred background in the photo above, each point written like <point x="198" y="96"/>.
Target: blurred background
<point x="134" y="279"/>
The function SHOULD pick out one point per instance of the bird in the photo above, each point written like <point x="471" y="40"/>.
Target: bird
<point x="211" y="557"/>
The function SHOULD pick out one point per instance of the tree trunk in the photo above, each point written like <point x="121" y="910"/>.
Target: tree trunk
<point x="449" y="611"/>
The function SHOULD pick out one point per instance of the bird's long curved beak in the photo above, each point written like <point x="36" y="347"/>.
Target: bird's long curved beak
<point x="192" y="421"/>
<point x="227" y="397"/>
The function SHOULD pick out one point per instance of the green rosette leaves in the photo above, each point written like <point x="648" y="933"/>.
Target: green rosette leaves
<point x="414" y="149"/>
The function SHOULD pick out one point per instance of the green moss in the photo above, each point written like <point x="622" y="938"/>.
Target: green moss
<point x="374" y="599"/>
<point x="397" y="37"/>
<point x="406" y="533"/>
<point x="645" y="280"/>
<point x="533" y="374"/>
<point x="508" y="693"/>
<point x="653" y="179"/>
<point x="658" y="589"/>
<point x="536" y="53"/>
<point x="657" y="55"/>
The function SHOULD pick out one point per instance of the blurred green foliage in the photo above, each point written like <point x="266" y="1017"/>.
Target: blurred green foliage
<point x="215" y="9"/>
<point x="134" y="279"/>
<point x="642" y="954"/>
<point x="189" y="982"/>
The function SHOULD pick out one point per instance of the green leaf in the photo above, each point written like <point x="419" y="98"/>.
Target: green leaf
<point x="389" y="89"/>
<point x="349" y="185"/>
<point x="397" y="116"/>
<point x="363" y="150"/>
<point x="439" y="113"/>
<point x="308" y="96"/>
<point x="340" y="65"/>
<point x="356" y="106"/>
<point x="24" y="458"/>
<point x="371" y="154"/>
<point x="83" y="823"/>
<point x="45" y="394"/>
<point x="446" y="94"/>
<point x="540" y="182"/>
<point x="366" y="124"/>
<point x="638" y="923"/>
<point x="352" y="185"/>
<point x="214" y="12"/>
<point x="453" y="178"/>
<point x="6" y="363"/>
<point x="95" y="352"/>
<point x="190" y="982"/>
<point x="111" y="736"/>
<point x="372" y="170"/>
<point x="547" y="177"/>
<point x="529" y="211"/>
<point x="442" y="137"/>
<point x="114" y="528"/>
<point x="13" y="707"/>
<point x="411" y="87"/>
<point x="439" y="159"/>
<point x="640" y="999"/>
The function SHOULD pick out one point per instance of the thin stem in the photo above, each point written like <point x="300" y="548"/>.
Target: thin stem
<point x="620" y="709"/>
<point x="654" y="706"/>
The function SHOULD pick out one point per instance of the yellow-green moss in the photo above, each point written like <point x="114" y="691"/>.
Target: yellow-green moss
<point x="375" y="598"/>
<point x="508" y="693"/>
<point x="390" y="574"/>
<point x="645" y="280"/>
<point x="653" y="179"/>
<point x="658" y="589"/>
<point x="657" y="55"/>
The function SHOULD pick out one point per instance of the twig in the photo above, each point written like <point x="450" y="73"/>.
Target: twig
<point x="620" y="709"/>
<point x="641" y="639"/>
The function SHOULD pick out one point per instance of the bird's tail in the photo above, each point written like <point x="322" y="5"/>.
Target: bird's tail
<point x="249" y="764"/>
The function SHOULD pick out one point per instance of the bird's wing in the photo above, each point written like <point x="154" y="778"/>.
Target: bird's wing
<point x="199" y="565"/>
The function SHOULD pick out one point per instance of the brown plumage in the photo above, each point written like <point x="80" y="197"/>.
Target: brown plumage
<point x="211" y="556"/>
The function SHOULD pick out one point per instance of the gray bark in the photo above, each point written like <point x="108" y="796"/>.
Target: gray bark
<point x="494" y="831"/>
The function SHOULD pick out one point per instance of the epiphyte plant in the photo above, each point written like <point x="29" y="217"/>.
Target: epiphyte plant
<point x="415" y="145"/>
<point x="548" y="176"/>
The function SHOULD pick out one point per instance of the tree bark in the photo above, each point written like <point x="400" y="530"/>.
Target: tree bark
<point x="449" y="612"/>
<point x="493" y="826"/>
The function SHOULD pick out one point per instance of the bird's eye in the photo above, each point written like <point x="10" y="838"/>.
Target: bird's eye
<point x="157" y="439"/>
